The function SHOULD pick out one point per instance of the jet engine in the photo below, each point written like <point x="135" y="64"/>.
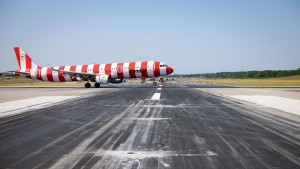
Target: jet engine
<point x="102" y="79"/>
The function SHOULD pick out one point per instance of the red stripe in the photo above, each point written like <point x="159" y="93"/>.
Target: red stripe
<point x="96" y="68"/>
<point x="84" y="68"/>
<point x="73" y="68"/>
<point x="28" y="76"/>
<point x="49" y="75"/>
<point x="156" y="69"/>
<point x="144" y="69"/>
<point x="60" y="74"/>
<point x="17" y="51"/>
<point x="108" y="69"/>
<point x="132" y="70"/>
<point x="38" y="73"/>
<point x="28" y="62"/>
<point x="17" y="73"/>
<point x="120" y="70"/>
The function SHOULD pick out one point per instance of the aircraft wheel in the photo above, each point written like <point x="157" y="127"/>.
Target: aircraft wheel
<point x="87" y="85"/>
<point x="154" y="83"/>
<point x="97" y="85"/>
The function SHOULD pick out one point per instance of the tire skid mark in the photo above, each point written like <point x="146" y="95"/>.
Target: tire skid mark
<point x="58" y="140"/>
<point x="248" y="148"/>
<point x="282" y="151"/>
<point x="234" y="151"/>
<point x="130" y="148"/>
<point x="71" y="159"/>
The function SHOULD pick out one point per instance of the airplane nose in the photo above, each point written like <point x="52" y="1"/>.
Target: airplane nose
<point x="169" y="70"/>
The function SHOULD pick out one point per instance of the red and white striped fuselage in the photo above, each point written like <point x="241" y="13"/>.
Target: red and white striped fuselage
<point x="99" y="73"/>
<point x="113" y="70"/>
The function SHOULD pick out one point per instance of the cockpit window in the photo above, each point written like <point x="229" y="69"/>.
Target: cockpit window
<point x="163" y="65"/>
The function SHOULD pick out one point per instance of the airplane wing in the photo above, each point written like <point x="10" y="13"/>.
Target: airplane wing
<point x="75" y="74"/>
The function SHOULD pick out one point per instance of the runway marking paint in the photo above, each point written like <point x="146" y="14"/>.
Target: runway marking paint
<point x="156" y="96"/>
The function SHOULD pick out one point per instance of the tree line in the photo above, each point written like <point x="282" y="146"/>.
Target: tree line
<point x="246" y="74"/>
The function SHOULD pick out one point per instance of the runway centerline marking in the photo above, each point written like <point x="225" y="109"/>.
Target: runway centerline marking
<point x="158" y="88"/>
<point x="156" y="96"/>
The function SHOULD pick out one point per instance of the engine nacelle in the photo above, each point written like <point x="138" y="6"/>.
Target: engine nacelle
<point x="102" y="79"/>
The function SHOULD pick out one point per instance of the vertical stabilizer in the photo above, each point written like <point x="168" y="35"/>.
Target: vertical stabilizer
<point x="24" y="61"/>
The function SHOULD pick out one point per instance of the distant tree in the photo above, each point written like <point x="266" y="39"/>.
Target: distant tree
<point x="247" y="74"/>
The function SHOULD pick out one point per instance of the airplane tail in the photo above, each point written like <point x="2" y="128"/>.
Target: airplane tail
<point x="24" y="60"/>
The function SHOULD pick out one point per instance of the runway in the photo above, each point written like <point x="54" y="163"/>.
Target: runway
<point x="168" y="126"/>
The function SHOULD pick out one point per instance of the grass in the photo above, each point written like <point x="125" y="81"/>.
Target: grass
<point x="281" y="81"/>
<point x="20" y="81"/>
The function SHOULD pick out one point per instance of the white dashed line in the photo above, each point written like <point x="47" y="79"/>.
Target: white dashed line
<point x="156" y="96"/>
<point x="158" y="88"/>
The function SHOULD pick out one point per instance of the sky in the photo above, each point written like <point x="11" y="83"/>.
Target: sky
<point x="201" y="36"/>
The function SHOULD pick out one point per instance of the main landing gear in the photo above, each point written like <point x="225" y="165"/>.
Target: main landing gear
<point x="97" y="85"/>
<point x="88" y="85"/>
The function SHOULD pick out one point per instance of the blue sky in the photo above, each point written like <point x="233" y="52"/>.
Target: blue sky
<point x="190" y="36"/>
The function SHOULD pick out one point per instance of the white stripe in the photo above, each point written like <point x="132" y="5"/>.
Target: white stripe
<point x="67" y="77"/>
<point x="150" y="69"/>
<point x="55" y="75"/>
<point x="114" y="70"/>
<point x="44" y="73"/>
<point x="78" y="68"/>
<point x="156" y="96"/>
<point x="138" y="67"/>
<point x="22" y="59"/>
<point x="102" y="69"/>
<point x="163" y="71"/>
<point x="158" y="88"/>
<point x="32" y="73"/>
<point x="90" y="68"/>
<point x="126" y="70"/>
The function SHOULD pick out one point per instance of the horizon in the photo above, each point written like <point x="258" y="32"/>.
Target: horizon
<point x="239" y="71"/>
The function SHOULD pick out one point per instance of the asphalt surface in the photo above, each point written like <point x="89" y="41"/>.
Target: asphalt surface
<point x="186" y="128"/>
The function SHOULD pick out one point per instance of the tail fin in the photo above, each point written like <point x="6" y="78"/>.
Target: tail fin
<point x="24" y="61"/>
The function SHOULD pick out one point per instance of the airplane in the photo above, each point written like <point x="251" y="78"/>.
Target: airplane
<point x="98" y="73"/>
